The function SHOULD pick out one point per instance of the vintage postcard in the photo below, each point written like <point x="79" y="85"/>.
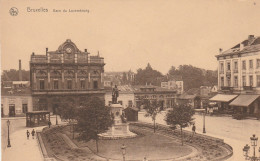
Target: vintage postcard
<point x="130" y="80"/>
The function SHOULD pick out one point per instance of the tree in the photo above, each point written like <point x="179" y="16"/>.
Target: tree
<point x="13" y="75"/>
<point x="68" y="111"/>
<point x="152" y="109"/>
<point x="147" y="75"/>
<point x="93" y="118"/>
<point x="180" y="115"/>
<point x="194" y="77"/>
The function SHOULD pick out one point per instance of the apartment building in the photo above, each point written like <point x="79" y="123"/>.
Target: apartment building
<point x="239" y="77"/>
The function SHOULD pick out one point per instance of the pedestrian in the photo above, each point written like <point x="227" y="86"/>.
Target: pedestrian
<point x="33" y="132"/>
<point x="194" y="129"/>
<point x="28" y="134"/>
<point x="49" y="123"/>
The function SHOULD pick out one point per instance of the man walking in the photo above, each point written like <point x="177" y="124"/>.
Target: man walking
<point x="33" y="132"/>
<point x="49" y="123"/>
<point x="28" y="134"/>
<point x="193" y="132"/>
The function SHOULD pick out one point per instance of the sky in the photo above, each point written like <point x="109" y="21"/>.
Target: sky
<point x="129" y="34"/>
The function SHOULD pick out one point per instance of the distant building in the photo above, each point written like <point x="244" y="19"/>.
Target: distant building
<point x="165" y="97"/>
<point x="65" y="75"/>
<point x="191" y="97"/>
<point x="16" y="101"/>
<point x="126" y="96"/>
<point x="119" y="78"/>
<point x="239" y="77"/>
<point x="174" y="83"/>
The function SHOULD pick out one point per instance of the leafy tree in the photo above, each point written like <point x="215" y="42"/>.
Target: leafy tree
<point x="93" y="118"/>
<point x="147" y="75"/>
<point x="13" y="75"/>
<point x="152" y="109"/>
<point x="180" y="115"/>
<point x="194" y="77"/>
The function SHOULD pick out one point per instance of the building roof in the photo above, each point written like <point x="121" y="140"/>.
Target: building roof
<point x="252" y="44"/>
<point x="122" y="89"/>
<point x="16" y="91"/>
<point x="139" y="89"/>
<point x="223" y="97"/>
<point x="186" y="97"/>
<point x="244" y="100"/>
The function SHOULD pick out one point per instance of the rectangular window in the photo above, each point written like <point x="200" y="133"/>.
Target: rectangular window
<point x="228" y="66"/>
<point x="235" y="67"/>
<point x="251" y="64"/>
<point x="221" y="68"/>
<point x="69" y="84"/>
<point x="41" y="84"/>
<point x="235" y="81"/>
<point x="25" y="108"/>
<point x="244" y="65"/>
<point x="95" y="84"/>
<point x="244" y="80"/>
<point x="228" y="82"/>
<point x="222" y="82"/>
<point x="82" y="84"/>
<point x="130" y="103"/>
<point x="258" y="63"/>
<point x="55" y="84"/>
<point x="258" y="80"/>
<point x="251" y="83"/>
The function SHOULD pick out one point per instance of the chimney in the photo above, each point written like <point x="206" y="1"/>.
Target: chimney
<point x="86" y="50"/>
<point x="20" y="71"/>
<point x="46" y="51"/>
<point x="220" y="50"/>
<point x="250" y="39"/>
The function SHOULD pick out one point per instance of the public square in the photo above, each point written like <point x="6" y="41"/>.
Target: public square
<point x="236" y="133"/>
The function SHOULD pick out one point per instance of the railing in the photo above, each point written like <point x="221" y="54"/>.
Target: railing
<point x="227" y="88"/>
<point x="248" y="88"/>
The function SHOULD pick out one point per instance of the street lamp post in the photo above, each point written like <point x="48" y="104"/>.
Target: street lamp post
<point x="246" y="149"/>
<point x="56" y="119"/>
<point x="204" y="115"/>
<point x="123" y="148"/>
<point x="8" y="140"/>
<point x="204" y="119"/>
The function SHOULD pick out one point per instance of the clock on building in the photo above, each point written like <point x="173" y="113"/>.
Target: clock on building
<point x="68" y="50"/>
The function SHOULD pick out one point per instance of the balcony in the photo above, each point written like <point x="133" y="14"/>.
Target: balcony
<point x="248" y="88"/>
<point x="235" y="71"/>
<point x="228" y="73"/>
<point x="227" y="88"/>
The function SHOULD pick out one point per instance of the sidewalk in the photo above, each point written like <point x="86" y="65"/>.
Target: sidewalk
<point x="22" y="149"/>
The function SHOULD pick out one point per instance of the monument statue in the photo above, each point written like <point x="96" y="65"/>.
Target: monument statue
<point x="120" y="128"/>
<point x="115" y="94"/>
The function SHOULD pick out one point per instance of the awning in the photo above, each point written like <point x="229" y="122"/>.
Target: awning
<point x="244" y="100"/>
<point x="223" y="98"/>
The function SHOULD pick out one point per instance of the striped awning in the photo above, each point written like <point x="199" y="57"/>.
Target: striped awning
<point x="244" y="100"/>
<point x="223" y="98"/>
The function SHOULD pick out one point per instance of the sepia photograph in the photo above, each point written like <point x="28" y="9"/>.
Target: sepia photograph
<point x="130" y="80"/>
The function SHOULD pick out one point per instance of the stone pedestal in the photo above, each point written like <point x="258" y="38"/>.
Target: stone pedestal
<point x="118" y="129"/>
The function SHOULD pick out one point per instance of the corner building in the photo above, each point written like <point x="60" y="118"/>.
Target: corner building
<point x="239" y="77"/>
<point x="64" y="76"/>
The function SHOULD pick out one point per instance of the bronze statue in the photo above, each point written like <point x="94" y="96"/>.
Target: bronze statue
<point x="115" y="94"/>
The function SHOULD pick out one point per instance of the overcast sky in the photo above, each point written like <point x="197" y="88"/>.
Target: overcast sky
<point x="129" y="34"/>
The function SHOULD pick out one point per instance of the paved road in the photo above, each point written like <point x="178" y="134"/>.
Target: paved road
<point x="236" y="133"/>
<point x="17" y="130"/>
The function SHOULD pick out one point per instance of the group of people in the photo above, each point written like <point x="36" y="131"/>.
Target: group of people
<point x="28" y="134"/>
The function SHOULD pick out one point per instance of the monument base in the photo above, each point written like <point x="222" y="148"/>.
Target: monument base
<point x="118" y="131"/>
